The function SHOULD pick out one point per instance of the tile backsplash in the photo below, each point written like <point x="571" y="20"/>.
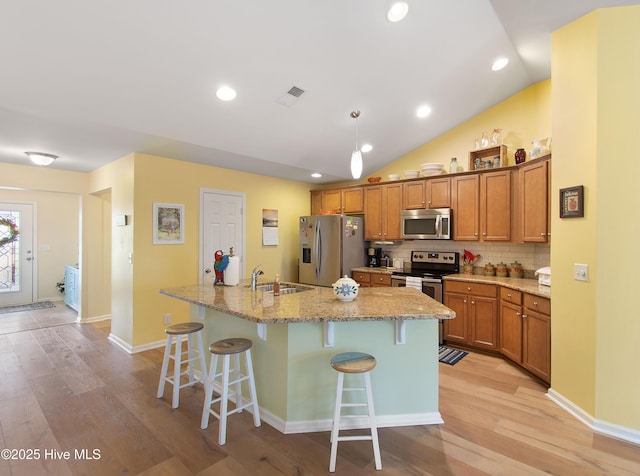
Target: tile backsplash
<point x="531" y="256"/>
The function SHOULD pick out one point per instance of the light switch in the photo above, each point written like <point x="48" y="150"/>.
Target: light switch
<point x="580" y="272"/>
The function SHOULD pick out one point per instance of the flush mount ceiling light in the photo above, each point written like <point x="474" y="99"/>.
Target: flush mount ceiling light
<point x="316" y="175"/>
<point x="41" y="159"/>
<point x="499" y="64"/>
<point x="366" y="148"/>
<point x="356" y="155"/>
<point x="225" y="93"/>
<point x="397" y="11"/>
<point x="423" y="111"/>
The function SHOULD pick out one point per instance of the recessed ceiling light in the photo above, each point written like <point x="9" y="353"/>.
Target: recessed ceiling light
<point x="225" y="93"/>
<point x="499" y="64"/>
<point x="316" y="175"/>
<point x="397" y="11"/>
<point x="366" y="148"/>
<point x="423" y="111"/>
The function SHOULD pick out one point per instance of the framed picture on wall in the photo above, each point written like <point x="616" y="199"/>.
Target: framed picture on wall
<point x="572" y="202"/>
<point x="168" y="224"/>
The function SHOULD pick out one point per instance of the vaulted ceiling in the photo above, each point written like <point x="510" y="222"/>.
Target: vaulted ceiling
<point x="94" y="81"/>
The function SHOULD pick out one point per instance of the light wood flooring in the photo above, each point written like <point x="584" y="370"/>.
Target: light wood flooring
<point x="11" y="322"/>
<point x="67" y="388"/>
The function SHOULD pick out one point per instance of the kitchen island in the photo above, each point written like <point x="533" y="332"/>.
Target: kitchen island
<point x="295" y="335"/>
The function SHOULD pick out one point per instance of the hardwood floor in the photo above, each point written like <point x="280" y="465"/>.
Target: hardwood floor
<point x="67" y="388"/>
<point x="11" y="322"/>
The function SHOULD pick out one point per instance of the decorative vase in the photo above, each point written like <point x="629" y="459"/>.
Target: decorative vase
<point x="496" y="137"/>
<point x="540" y="148"/>
<point x="467" y="269"/>
<point x="520" y="156"/>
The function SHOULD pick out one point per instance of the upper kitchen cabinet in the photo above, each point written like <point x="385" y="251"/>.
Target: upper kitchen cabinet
<point x="481" y="206"/>
<point x="382" y="207"/>
<point x="439" y="192"/>
<point x="465" y="202"/>
<point x="345" y="201"/>
<point x="533" y="187"/>
<point x="413" y="195"/>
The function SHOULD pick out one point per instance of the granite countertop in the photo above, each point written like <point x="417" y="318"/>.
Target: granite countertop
<point x="317" y="304"/>
<point x="526" y="285"/>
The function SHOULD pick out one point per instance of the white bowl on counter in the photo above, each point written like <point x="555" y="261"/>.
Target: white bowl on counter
<point x="431" y="169"/>
<point x="394" y="177"/>
<point x="411" y="173"/>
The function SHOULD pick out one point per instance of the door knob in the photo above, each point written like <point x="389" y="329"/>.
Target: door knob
<point x="207" y="271"/>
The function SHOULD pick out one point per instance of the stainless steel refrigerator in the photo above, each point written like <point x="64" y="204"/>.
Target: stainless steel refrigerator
<point x="330" y="245"/>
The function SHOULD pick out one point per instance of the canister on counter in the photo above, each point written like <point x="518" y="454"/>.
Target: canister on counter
<point x="489" y="270"/>
<point x="501" y="270"/>
<point x="515" y="270"/>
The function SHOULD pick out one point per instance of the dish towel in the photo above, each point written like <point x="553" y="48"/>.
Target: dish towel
<point x="414" y="282"/>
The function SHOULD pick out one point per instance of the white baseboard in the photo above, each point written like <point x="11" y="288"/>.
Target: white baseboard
<point x="611" y="429"/>
<point x="128" y="348"/>
<point x="87" y="320"/>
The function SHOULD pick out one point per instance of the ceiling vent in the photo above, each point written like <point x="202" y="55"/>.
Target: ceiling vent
<point x="290" y="97"/>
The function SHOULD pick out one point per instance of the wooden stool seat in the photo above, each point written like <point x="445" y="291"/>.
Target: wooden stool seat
<point x="353" y="363"/>
<point x="184" y="328"/>
<point x="224" y="349"/>
<point x="235" y="345"/>
<point x="190" y="330"/>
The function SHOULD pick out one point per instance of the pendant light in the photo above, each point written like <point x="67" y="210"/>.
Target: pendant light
<point x="356" y="155"/>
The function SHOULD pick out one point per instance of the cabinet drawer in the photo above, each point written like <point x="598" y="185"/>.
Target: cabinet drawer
<point x="380" y="279"/>
<point x="488" y="290"/>
<point x="510" y="295"/>
<point x="536" y="303"/>
<point x="361" y="277"/>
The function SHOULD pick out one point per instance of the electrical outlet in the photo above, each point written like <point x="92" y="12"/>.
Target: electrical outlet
<point x="580" y="272"/>
<point x="167" y="318"/>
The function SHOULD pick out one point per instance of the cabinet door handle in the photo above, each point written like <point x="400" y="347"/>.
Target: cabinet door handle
<point x="465" y="301"/>
<point x="542" y="234"/>
<point x="517" y="314"/>
<point x="524" y="316"/>
<point x="535" y="303"/>
<point x="484" y="233"/>
<point x="508" y="294"/>
<point x="468" y="288"/>
<point x="473" y="302"/>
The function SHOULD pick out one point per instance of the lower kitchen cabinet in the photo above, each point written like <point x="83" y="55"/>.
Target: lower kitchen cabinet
<point x="71" y="287"/>
<point x="373" y="280"/>
<point x="476" y="322"/>
<point x="525" y="331"/>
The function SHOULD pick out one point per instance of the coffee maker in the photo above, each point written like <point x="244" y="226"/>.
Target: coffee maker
<point x="374" y="257"/>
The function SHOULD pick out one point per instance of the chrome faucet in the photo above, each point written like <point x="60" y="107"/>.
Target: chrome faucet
<point x="254" y="277"/>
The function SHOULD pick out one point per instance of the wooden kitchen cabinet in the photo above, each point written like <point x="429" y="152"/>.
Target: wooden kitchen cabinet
<point x="413" y="195"/>
<point x="533" y="196"/>
<point x="536" y="345"/>
<point x="439" y="192"/>
<point x="382" y="207"/>
<point x="476" y="322"/>
<point x="482" y="206"/>
<point x="374" y="280"/>
<point x="465" y="202"/>
<point x="345" y="201"/>
<point x="525" y="331"/>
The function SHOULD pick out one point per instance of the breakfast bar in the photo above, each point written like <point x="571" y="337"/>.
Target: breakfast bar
<point x="296" y="333"/>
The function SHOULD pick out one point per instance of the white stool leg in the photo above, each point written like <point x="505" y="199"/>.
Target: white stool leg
<point x="177" y="363"/>
<point x="372" y="421"/>
<point x="222" y="433"/>
<point x="335" y="429"/>
<point x="252" y="387"/>
<point x="236" y="376"/>
<point x="208" y="392"/>
<point x="203" y="362"/>
<point x="165" y="366"/>
<point x="190" y="347"/>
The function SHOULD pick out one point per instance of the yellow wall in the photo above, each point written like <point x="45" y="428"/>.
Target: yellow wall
<point x="522" y="117"/>
<point x="135" y="183"/>
<point x="595" y="328"/>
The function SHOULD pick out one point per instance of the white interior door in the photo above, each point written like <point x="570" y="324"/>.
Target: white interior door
<point x="222" y="227"/>
<point x="16" y="254"/>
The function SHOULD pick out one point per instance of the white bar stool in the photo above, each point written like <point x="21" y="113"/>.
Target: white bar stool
<point x="353" y="363"/>
<point x="178" y="331"/>
<point x="226" y="348"/>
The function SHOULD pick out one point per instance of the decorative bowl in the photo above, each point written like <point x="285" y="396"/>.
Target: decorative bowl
<point x="345" y="289"/>
<point x="394" y="177"/>
<point x="374" y="179"/>
<point x="432" y="165"/>
<point x="411" y="173"/>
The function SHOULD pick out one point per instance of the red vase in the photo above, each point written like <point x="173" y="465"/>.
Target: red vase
<point x="520" y="155"/>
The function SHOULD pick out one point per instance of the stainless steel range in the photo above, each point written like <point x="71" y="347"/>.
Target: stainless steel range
<point x="426" y="272"/>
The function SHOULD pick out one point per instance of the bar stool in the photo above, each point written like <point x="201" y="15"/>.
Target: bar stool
<point x="353" y="363"/>
<point x="226" y="348"/>
<point x="178" y="331"/>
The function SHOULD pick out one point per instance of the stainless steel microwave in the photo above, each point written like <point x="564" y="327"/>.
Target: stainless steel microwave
<point x="426" y="224"/>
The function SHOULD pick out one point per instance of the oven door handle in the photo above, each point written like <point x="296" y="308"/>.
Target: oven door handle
<point x="439" y="226"/>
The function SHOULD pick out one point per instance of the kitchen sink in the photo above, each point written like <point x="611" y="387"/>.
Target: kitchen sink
<point x="288" y="288"/>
